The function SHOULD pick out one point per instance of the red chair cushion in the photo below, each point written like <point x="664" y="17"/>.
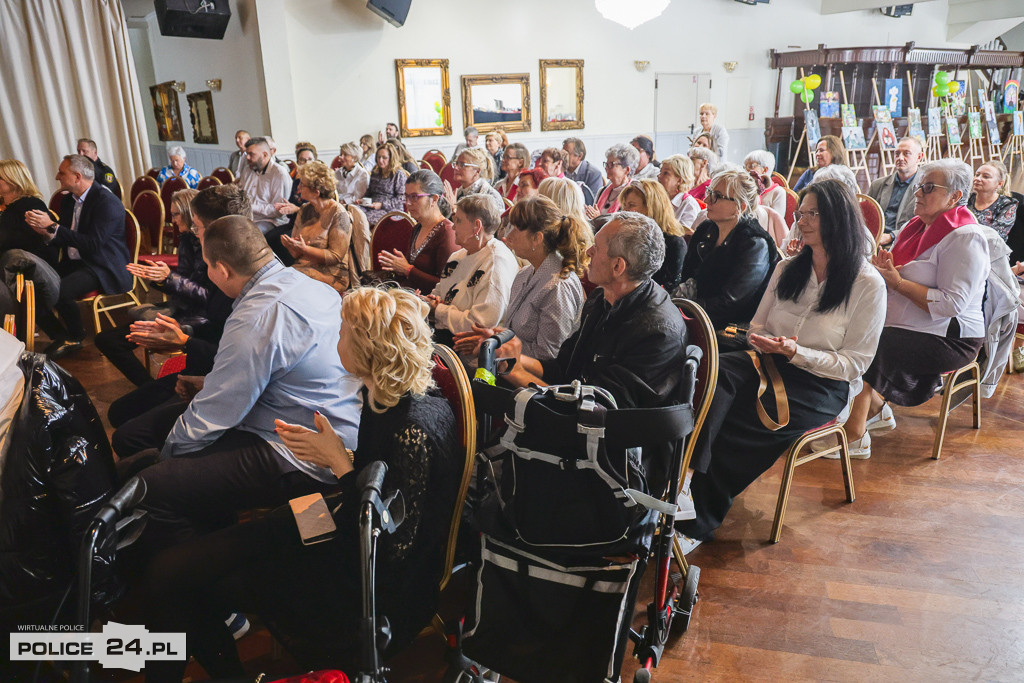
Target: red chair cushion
<point x="170" y="259"/>
<point x="172" y="365"/>
<point x="446" y="383"/>
<point x="392" y="233"/>
<point x="91" y="294"/>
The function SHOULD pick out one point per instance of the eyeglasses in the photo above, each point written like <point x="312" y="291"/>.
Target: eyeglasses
<point x="612" y="164"/>
<point x="809" y="214"/>
<point x="928" y="188"/>
<point x="713" y="196"/>
<point x="413" y="197"/>
<point x="462" y="164"/>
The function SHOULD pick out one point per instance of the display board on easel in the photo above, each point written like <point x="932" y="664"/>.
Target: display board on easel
<point x="804" y="87"/>
<point x="1015" y="144"/>
<point x="975" y="155"/>
<point x="995" y="144"/>
<point x="885" y="133"/>
<point x="853" y="137"/>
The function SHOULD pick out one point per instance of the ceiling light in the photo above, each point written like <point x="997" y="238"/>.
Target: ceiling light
<point x="631" y="13"/>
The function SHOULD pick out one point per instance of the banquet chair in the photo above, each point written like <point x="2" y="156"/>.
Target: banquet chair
<point x="780" y="179"/>
<point x="393" y="231"/>
<point x="447" y="173"/>
<point x="336" y="163"/>
<point x="141" y="184"/>
<point x="101" y="302"/>
<point x="293" y="168"/>
<point x="153" y="173"/>
<point x="792" y="201"/>
<point x="149" y="211"/>
<point x="955" y="382"/>
<point x="170" y="186"/>
<point x="208" y="181"/>
<point x="55" y="200"/>
<point x="436" y="159"/>
<point x="25" y="295"/>
<point x="224" y="175"/>
<point x="874" y="217"/>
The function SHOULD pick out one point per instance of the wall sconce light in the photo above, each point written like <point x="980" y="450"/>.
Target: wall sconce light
<point x="730" y="66"/>
<point x="641" y="64"/>
<point x="213" y="84"/>
<point x="179" y="86"/>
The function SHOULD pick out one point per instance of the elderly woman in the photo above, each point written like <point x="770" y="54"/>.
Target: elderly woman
<point x="818" y="326"/>
<point x="475" y="285"/>
<point x="620" y="164"/>
<point x="647" y="167"/>
<point x="730" y="257"/>
<point x="514" y="159"/>
<point x="311" y="593"/>
<point x="762" y="162"/>
<point x="990" y="200"/>
<point x="828" y="150"/>
<point x="19" y="194"/>
<point x="319" y="241"/>
<point x="386" y="189"/>
<point x="936" y="275"/>
<point x="177" y="168"/>
<point x="567" y="195"/>
<point x="705" y="163"/>
<point x="529" y="183"/>
<point x="473" y="168"/>
<point x="433" y="239"/>
<point x="676" y="176"/>
<point x="369" y="147"/>
<point x="708" y="117"/>
<point x="352" y="179"/>
<point x="495" y="143"/>
<point x="546" y="297"/>
<point x="646" y="196"/>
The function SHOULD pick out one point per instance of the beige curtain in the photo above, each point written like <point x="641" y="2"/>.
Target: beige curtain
<point x="66" y="72"/>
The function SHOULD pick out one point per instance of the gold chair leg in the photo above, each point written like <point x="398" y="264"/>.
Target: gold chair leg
<point x="677" y="552"/>
<point x="851" y="495"/>
<point x="787" y="481"/>
<point x="940" y="428"/>
<point x="976" y="370"/>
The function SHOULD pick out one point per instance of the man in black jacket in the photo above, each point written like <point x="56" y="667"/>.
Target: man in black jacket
<point x="91" y="236"/>
<point x="104" y="175"/>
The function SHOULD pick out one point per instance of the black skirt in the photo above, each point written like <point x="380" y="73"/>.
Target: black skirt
<point x="734" y="448"/>
<point x="908" y="365"/>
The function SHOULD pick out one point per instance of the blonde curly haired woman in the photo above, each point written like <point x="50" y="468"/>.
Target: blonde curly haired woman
<point x="311" y="594"/>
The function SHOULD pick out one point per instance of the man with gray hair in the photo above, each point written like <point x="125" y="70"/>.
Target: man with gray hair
<point x="178" y="168"/>
<point x="895" y="192"/>
<point x="90" y="233"/>
<point x="472" y="135"/>
<point x="266" y="183"/>
<point x="577" y="167"/>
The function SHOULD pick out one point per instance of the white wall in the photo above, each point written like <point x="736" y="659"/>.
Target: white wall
<point x="341" y="79"/>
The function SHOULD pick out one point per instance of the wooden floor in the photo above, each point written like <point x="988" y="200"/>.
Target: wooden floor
<point x="920" y="579"/>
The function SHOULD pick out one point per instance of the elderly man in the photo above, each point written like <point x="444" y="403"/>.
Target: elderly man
<point x="103" y="175"/>
<point x="278" y="359"/>
<point x="895" y="192"/>
<point x="353" y="178"/>
<point x="237" y="161"/>
<point x="472" y="135"/>
<point x="90" y="233"/>
<point x="579" y="169"/>
<point x="178" y="168"/>
<point x="267" y="183"/>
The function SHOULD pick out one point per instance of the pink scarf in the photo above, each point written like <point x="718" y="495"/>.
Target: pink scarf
<point x="915" y="238"/>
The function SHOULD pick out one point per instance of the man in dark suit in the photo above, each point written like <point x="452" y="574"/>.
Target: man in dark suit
<point x="90" y="235"/>
<point x="104" y="175"/>
<point x="895" y="192"/>
<point x="576" y="167"/>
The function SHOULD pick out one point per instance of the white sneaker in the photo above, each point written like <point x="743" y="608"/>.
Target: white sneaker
<point x="824" y="443"/>
<point x="685" y="509"/>
<point x="884" y="421"/>
<point x="861" y="448"/>
<point x="687" y="544"/>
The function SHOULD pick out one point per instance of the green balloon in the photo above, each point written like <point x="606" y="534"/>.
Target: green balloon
<point x="796" y="87"/>
<point x="942" y="77"/>
<point x="437" y="107"/>
<point x="438" y="122"/>
<point x="807" y="96"/>
<point x="941" y="90"/>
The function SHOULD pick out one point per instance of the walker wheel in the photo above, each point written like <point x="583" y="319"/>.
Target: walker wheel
<point x="642" y="676"/>
<point x="688" y="598"/>
<point x="457" y="675"/>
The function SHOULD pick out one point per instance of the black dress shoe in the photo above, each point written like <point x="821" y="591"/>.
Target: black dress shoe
<point x="65" y="348"/>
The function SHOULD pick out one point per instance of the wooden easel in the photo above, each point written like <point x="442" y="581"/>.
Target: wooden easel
<point x="1014" y="148"/>
<point x="803" y="136"/>
<point x="886" y="163"/>
<point x="858" y="157"/>
<point x="975" y="149"/>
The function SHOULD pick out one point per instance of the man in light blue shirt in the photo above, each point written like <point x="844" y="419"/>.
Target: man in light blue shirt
<point x="277" y="358"/>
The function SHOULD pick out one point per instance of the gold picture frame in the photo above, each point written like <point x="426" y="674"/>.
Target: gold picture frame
<point x="166" y="111"/>
<point x="561" y="94"/>
<point x="491" y="101"/>
<point x="423" y="97"/>
<point x="200" y="111"/>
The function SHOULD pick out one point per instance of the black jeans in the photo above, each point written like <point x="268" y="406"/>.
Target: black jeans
<point x="76" y="280"/>
<point x="115" y="346"/>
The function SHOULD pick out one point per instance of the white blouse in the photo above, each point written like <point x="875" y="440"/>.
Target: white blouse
<point x="686" y="209"/>
<point x="474" y="288"/>
<point x="838" y="344"/>
<point x="954" y="271"/>
<point x="352" y="184"/>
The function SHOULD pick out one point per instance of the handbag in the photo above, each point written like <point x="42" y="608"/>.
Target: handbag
<point x="769" y="374"/>
<point x="732" y="338"/>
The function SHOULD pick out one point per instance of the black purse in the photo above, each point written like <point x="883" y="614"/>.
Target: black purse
<point x="732" y="338"/>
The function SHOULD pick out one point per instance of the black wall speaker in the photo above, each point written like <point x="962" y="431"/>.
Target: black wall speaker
<point x="392" y="11"/>
<point x="193" y="18"/>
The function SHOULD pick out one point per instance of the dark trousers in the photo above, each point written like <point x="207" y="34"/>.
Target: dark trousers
<point x="76" y="280"/>
<point x="148" y="430"/>
<point x="115" y="346"/>
<point x="274" y="240"/>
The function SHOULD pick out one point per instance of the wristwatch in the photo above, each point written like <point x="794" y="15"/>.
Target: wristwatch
<point x="52" y="228"/>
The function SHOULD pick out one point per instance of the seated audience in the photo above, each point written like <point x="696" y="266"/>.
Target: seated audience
<point x="386" y="190"/>
<point x="568" y="196"/>
<point x="311" y="593"/>
<point x="844" y="174"/>
<point x="433" y="239"/>
<point x="187" y="289"/>
<point x="705" y="163"/>
<point x="319" y="242"/>
<point x="473" y="169"/>
<point x="990" y="200"/>
<point x="475" y="284"/>
<point x="103" y="174"/>
<point x="369" y="147"/>
<point x="676" y="176"/>
<point x="546" y="297"/>
<point x="828" y="150"/>
<point x="177" y="168"/>
<point x="621" y="162"/>
<point x="529" y="183"/>
<point x="708" y="117"/>
<point x="647" y="166"/>
<point x="236" y="162"/>
<point x="730" y="257"/>
<point x="818" y="325"/>
<point x="495" y="142"/>
<point x="472" y="135"/>
<point x="268" y="184"/>
<point x="706" y="141"/>
<point x="762" y="162"/>
<point x="352" y="178"/>
<point x="19" y="195"/>
<point x="408" y="162"/>
<point x="514" y="159"/>
<point x="579" y="169"/>
<point x="277" y="359"/>
<point x="90" y="237"/>
<point x="936" y="275"/>
<point x="553" y="160"/>
<point x="647" y="197"/>
<point x="895" y="192"/>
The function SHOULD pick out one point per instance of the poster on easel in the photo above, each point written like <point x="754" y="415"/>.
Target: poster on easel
<point x="1018" y="122"/>
<point x="1010" y="94"/>
<point x="853" y="138"/>
<point x="829" y="104"/>
<point x="914" y="127"/>
<point x="974" y="125"/>
<point x="953" y="131"/>
<point x="934" y="121"/>
<point x="881" y="113"/>
<point x="958" y="100"/>
<point x="849" y="115"/>
<point x="894" y="95"/>
<point x="812" y="126"/>
<point x="990" y="121"/>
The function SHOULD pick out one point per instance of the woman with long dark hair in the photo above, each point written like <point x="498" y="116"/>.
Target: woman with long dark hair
<point x="818" y="324"/>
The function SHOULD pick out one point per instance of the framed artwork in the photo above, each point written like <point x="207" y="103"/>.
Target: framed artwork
<point x="849" y="115"/>
<point x="166" y="111"/>
<point x="813" y="127"/>
<point x="974" y="124"/>
<point x="853" y="138"/>
<point x="1018" y="122"/>
<point x="424" y="99"/>
<point x="829" y="104"/>
<point x="561" y="94"/>
<point x="934" y="121"/>
<point x="958" y="100"/>
<point x="887" y="136"/>
<point x="990" y="121"/>
<point x="200" y="111"/>
<point x="881" y="113"/>
<point x="953" y="130"/>
<point x="913" y="118"/>
<point x="492" y="101"/>
<point x="1010" y="94"/>
<point x="894" y="95"/>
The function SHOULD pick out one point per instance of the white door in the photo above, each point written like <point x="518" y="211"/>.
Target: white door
<point x="676" y="101"/>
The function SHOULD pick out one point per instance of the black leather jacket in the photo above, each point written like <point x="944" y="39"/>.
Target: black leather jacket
<point x="730" y="278"/>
